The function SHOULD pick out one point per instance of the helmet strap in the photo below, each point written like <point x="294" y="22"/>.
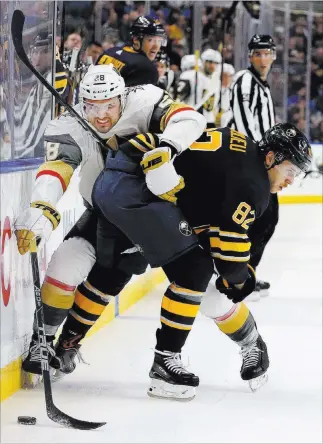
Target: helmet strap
<point x="140" y="39"/>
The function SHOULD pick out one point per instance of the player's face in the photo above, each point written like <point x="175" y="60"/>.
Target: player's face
<point x="94" y="52"/>
<point x="209" y="67"/>
<point x="226" y="80"/>
<point x="151" y="45"/>
<point x="261" y="60"/>
<point x="283" y="175"/>
<point x="161" y="68"/>
<point x="41" y="58"/>
<point x="103" y="114"/>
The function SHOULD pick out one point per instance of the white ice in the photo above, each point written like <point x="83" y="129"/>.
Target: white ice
<point x="113" y="387"/>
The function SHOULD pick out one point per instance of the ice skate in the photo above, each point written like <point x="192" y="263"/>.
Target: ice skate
<point x="255" y="364"/>
<point x="170" y="379"/>
<point x="31" y="366"/>
<point x="67" y="351"/>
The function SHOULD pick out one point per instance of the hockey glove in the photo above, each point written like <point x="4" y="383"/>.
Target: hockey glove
<point x="39" y="220"/>
<point x="161" y="177"/>
<point x="237" y="292"/>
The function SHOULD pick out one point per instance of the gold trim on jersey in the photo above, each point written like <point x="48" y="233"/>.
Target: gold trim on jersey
<point x="129" y="49"/>
<point x="142" y="144"/>
<point x="228" y="233"/>
<point x="229" y="245"/>
<point x="230" y="258"/>
<point x="59" y="169"/>
<point x="174" y="108"/>
<point x="216" y="242"/>
<point x="106" y="60"/>
<point x="60" y="82"/>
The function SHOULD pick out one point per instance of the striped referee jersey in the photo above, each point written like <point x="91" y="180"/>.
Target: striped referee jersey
<point x="32" y="117"/>
<point x="251" y="105"/>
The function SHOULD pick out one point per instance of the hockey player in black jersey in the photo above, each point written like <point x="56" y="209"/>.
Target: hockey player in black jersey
<point x="135" y="62"/>
<point x="220" y="185"/>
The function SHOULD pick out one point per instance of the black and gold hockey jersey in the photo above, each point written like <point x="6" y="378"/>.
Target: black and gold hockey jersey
<point x="226" y="189"/>
<point x="134" y="66"/>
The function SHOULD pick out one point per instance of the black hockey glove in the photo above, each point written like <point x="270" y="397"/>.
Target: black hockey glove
<point x="233" y="292"/>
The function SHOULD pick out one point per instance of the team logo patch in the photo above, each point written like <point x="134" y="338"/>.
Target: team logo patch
<point x="185" y="229"/>
<point x="290" y="133"/>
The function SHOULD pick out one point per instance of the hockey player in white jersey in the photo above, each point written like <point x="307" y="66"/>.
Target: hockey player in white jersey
<point x="193" y="85"/>
<point x="188" y="90"/>
<point x="211" y="60"/>
<point x="111" y="110"/>
<point x="224" y="106"/>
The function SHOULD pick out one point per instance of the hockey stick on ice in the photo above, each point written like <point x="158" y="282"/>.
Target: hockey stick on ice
<point x="53" y="412"/>
<point x="17" y="24"/>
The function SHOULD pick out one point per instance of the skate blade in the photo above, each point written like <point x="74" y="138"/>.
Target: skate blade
<point x="30" y="380"/>
<point x="162" y="390"/>
<point x="256" y="384"/>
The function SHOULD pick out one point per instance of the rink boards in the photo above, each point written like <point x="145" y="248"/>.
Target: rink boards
<point x="17" y="298"/>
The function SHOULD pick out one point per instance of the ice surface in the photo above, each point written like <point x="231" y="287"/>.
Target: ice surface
<point x="113" y="387"/>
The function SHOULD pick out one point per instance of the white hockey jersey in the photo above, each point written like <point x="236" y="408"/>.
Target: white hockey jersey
<point x="205" y="85"/>
<point x="69" y="145"/>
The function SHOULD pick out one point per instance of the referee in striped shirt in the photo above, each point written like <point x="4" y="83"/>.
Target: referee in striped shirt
<point x="253" y="114"/>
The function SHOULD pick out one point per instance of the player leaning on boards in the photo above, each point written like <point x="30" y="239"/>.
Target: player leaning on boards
<point x="110" y="109"/>
<point x="135" y="62"/>
<point x="228" y="181"/>
<point x="253" y="114"/>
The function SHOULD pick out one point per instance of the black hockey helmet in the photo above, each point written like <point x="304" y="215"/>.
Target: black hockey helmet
<point x="162" y="57"/>
<point x="43" y="39"/>
<point x="147" y="26"/>
<point x="288" y="143"/>
<point x="261" y="41"/>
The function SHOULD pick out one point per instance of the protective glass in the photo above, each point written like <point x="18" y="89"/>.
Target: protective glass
<point x="157" y="40"/>
<point x="100" y="109"/>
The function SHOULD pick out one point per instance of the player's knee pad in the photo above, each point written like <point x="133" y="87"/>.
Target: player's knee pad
<point x="72" y="261"/>
<point x="215" y="304"/>
<point x="193" y="270"/>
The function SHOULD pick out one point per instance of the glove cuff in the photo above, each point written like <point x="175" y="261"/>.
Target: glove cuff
<point x="48" y="211"/>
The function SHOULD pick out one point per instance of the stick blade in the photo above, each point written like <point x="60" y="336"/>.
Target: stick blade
<point x="65" y="420"/>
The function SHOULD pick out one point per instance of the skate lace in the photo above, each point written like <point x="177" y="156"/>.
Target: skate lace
<point x="174" y="363"/>
<point x="79" y="356"/>
<point x="250" y="355"/>
<point x="35" y="352"/>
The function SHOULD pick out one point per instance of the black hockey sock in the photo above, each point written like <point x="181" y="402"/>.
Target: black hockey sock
<point x="88" y="306"/>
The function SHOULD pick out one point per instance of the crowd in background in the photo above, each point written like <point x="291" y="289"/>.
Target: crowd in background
<point x="78" y="29"/>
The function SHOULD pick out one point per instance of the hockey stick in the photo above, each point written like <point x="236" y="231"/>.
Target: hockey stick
<point x="53" y="412"/>
<point x="17" y="25"/>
